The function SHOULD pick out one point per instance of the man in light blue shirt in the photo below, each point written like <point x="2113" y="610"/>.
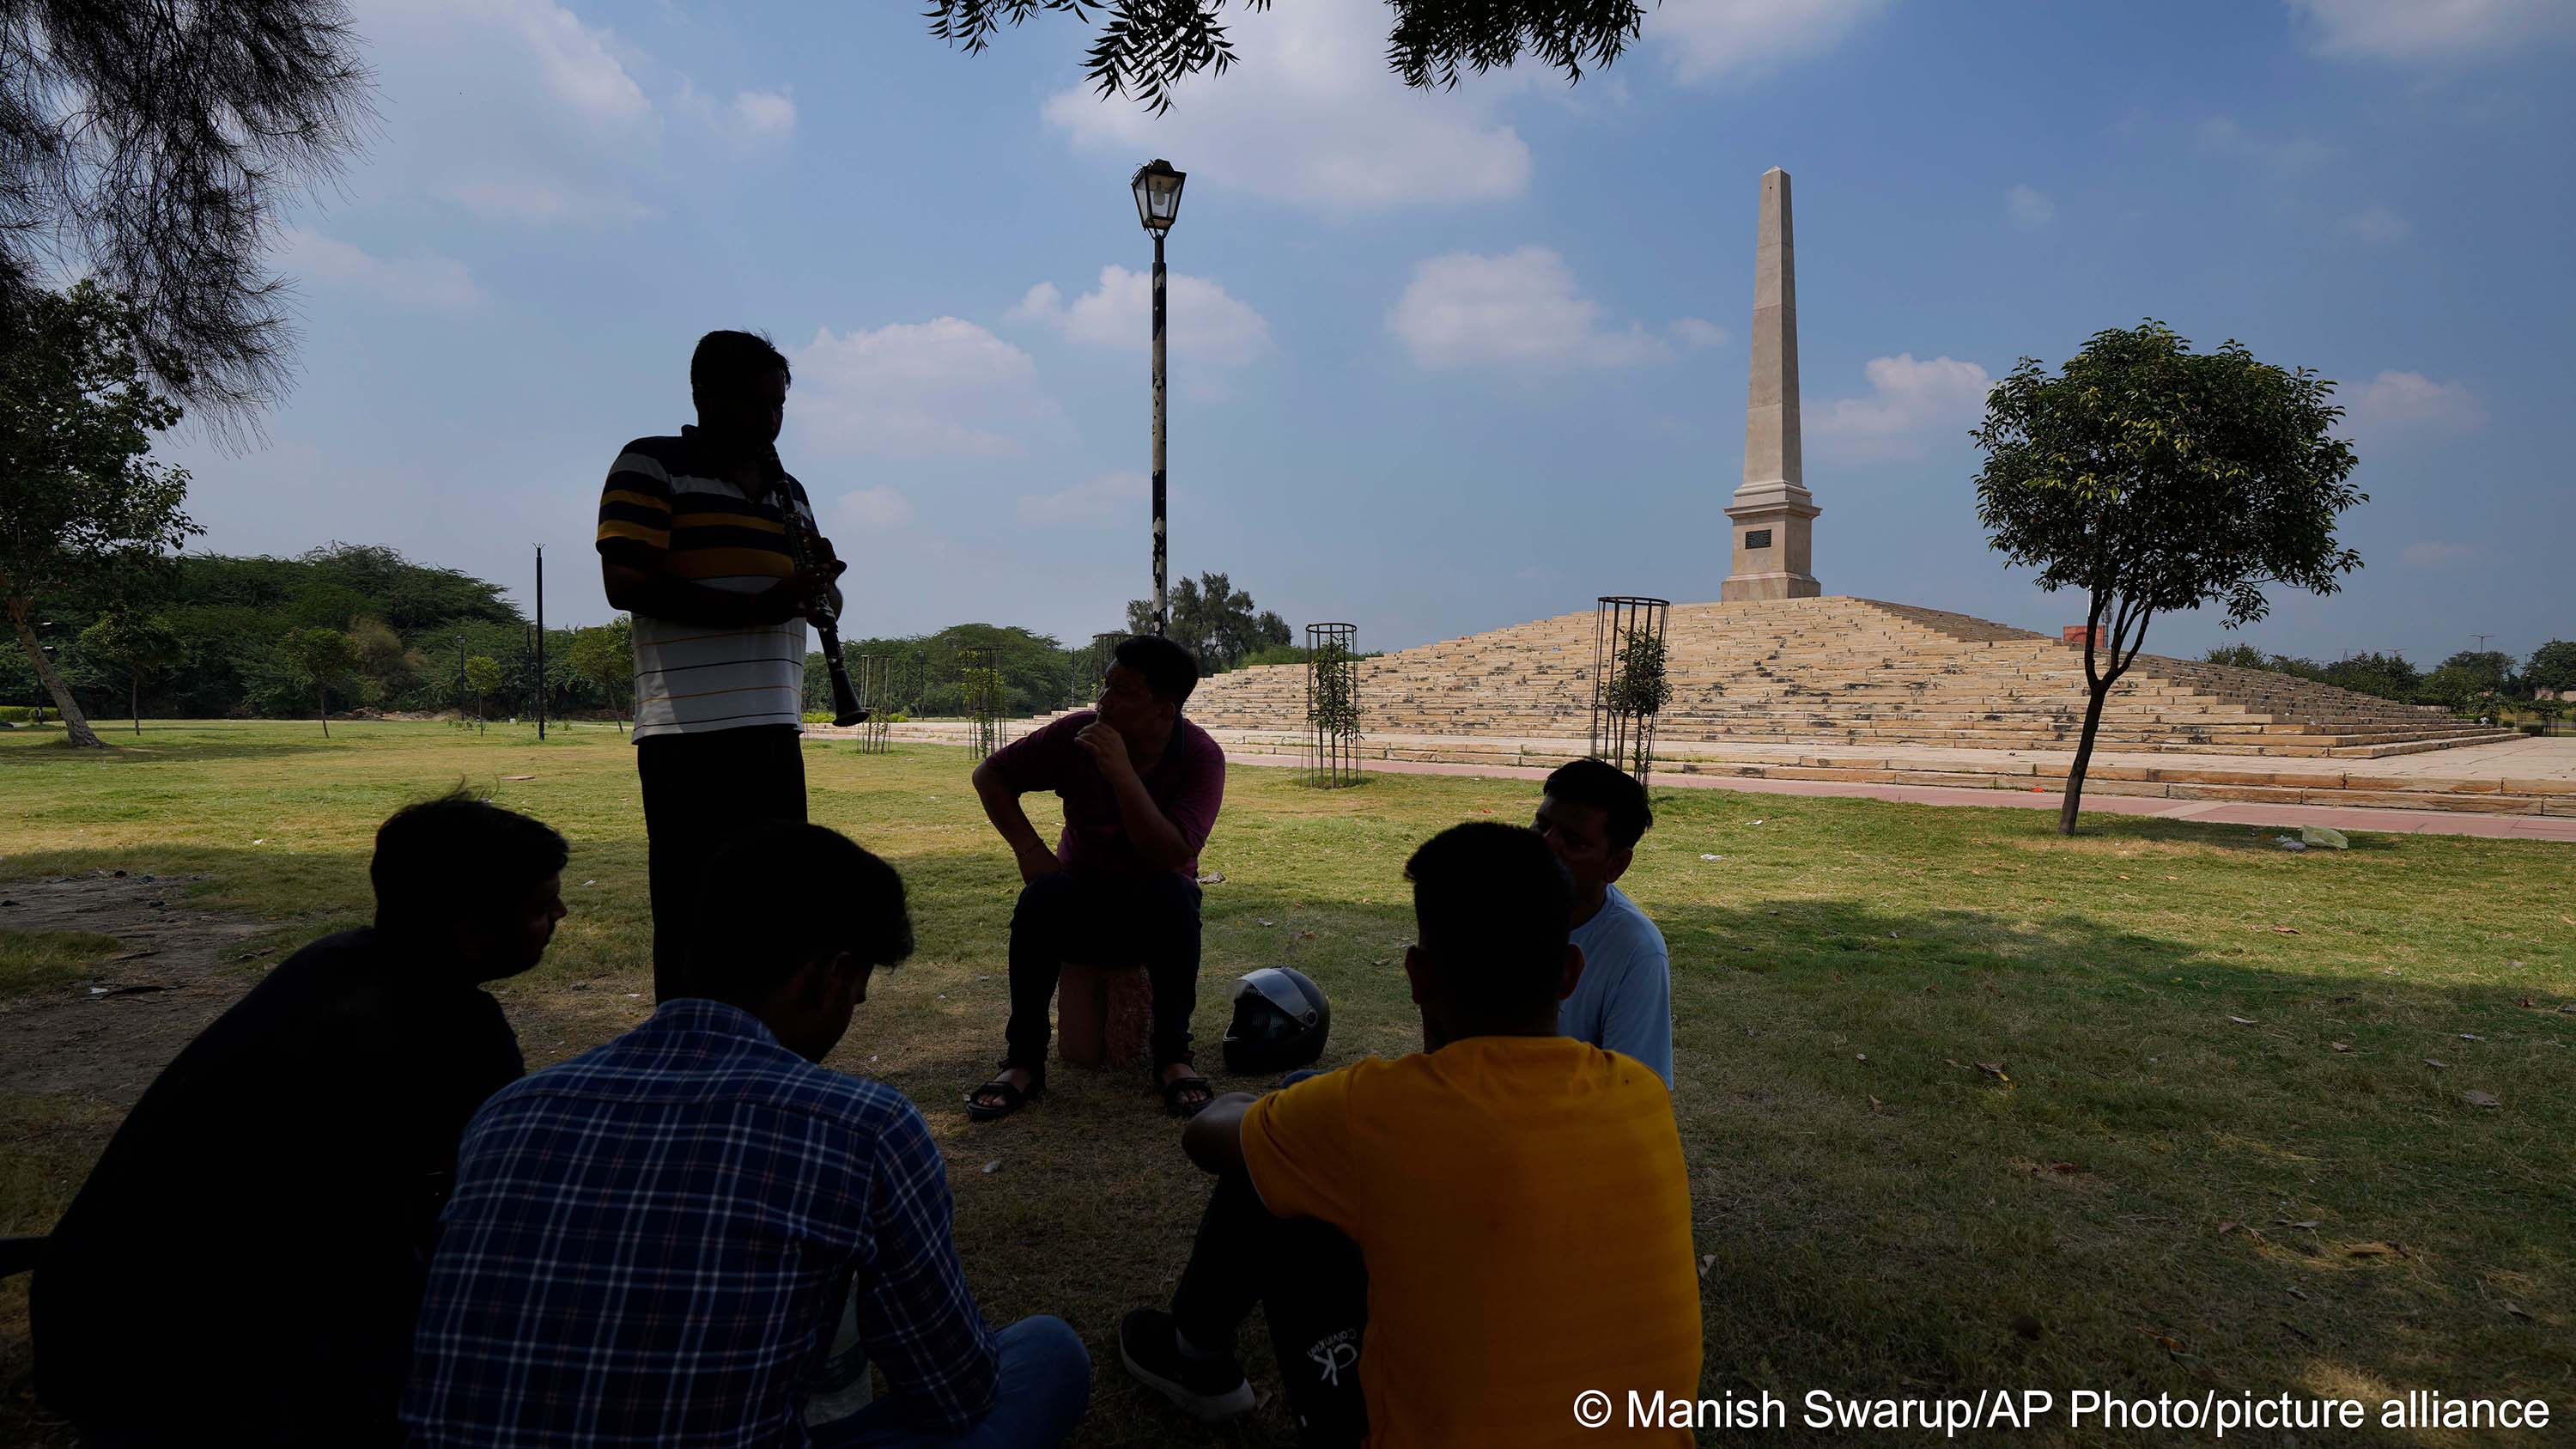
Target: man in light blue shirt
<point x="1592" y="815"/>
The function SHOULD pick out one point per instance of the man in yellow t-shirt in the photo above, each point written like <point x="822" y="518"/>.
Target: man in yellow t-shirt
<point x="1517" y="1199"/>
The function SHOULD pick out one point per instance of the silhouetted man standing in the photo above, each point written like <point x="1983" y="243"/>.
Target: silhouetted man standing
<point x="691" y="544"/>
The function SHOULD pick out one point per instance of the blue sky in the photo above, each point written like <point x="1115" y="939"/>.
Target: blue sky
<point x="1440" y="362"/>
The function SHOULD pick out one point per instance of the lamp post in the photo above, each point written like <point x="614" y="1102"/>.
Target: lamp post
<point x="1158" y="205"/>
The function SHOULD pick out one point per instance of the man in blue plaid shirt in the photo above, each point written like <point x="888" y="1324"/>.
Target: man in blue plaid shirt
<point x="651" y="1243"/>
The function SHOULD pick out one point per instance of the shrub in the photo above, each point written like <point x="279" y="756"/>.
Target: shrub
<point x="18" y="713"/>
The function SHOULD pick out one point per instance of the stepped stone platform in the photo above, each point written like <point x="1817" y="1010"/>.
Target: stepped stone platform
<point x="1845" y="672"/>
<point x="1867" y="693"/>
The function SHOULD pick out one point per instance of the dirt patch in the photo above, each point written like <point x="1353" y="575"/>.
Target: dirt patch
<point x="103" y="1039"/>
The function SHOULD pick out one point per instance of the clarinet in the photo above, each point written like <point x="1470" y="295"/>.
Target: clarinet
<point x="846" y="709"/>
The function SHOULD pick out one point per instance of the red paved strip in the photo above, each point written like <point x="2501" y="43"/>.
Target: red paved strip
<point x="2339" y="817"/>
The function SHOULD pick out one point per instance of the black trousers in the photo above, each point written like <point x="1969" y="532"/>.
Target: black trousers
<point x="1308" y="1279"/>
<point x="700" y="790"/>
<point x="1153" y="921"/>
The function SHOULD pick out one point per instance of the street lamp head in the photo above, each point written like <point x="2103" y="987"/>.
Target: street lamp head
<point x="1158" y="194"/>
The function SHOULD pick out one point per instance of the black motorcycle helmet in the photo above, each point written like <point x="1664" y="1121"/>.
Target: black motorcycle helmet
<point x="1280" y="1021"/>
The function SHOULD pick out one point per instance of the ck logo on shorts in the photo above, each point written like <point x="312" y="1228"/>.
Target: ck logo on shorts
<point x="1334" y="1354"/>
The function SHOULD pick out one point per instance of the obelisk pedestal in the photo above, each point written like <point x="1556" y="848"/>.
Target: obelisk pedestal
<point x="1772" y="514"/>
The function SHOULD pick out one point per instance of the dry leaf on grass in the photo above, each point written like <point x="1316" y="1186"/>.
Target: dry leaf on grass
<point x="992" y="1167"/>
<point x="2481" y="1099"/>
<point x="1994" y="1070"/>
<point x="2225" y="1228"/>
<point x="2064" y="1169"/>
<point x="1876" y="1105"/>
<point x="2285" y="930"/>
<point x="2471" y="1036"/>
<point x="2428" y="1061"/>
<point x="2374" y="1250"/>
<point x="2515" y="1311"/>
<point x="518" y="777"/>
<point x="2341" y="1046"/>
<point x="2242" y="1020"/>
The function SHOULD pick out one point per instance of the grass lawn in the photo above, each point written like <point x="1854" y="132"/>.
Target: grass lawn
<point x="1967" y="1105"/>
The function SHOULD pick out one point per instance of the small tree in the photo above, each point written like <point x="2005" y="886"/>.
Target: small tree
<point x="80" y="500"/>
<point x="605" y="655"/>
<point x="320" y="658"/>
<point x="482" y="676"/>
<point x="1640" y="688"/>
<point x="2552" y="667"/>
<point x="2154" y="479"/>
<point x="134" y="645"/>
<point x="378" y="658"/>
<point x="2469" y="682"/>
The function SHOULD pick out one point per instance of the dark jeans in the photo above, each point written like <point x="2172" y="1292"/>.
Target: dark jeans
<point x="700" y="790"/>
<point x="1312" y="1285"/>
<point x="1046" y="1385"/>
<point x="1152" y="921"/>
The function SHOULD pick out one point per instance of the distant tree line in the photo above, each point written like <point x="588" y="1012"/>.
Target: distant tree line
<point x="2470" y="682"/>
<point x="345" y="626"/>
<point x="359" y="627"/>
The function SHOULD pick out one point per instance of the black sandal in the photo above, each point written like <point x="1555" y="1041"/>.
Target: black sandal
<point x="1177" y="1087"/>
<point x="1013" y="1098"/>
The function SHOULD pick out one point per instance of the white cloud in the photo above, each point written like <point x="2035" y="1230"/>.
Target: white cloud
<point x="1719" y="40"/>
<point x="544" y="200"/>
<point x="1311" y="115"/>
<point x="2433" y="553"/>
<point x="520" y="110"/>
<point x="2428" y="29"/>
<point x="2379" y="225"/>
<point x="1094" y="500"/>
<point x="2029" y="207"/>
<point x="1207" y="325"/>
<point x="2398" y="401"/>
<point x="764" y="113"/>
<point x="1519" y="309"/>
<point x="1909" y="403"/>
<point x="879" y="508"/>
<point x="422" y="279"/>
<point x="2222" y="136"/>
<point x="752" y="116"/>
<point x="1696" y="333"/>
<point x="945" y="387"/>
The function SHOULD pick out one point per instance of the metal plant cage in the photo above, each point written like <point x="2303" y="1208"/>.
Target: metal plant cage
<point x="1630" y="685"/>
<point x="1091" y="667"/>
<point x="981" y="682"/>
<point x="1332" y="705"/>
<point x="873" y="674"/>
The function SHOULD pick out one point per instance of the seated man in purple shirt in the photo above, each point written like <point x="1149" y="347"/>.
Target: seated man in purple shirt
<point x="1140" y="787"/>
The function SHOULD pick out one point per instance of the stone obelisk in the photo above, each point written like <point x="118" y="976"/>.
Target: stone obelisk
<point x="1773" y="514"/>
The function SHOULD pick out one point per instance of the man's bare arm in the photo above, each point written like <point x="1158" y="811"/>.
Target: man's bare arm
<point x="1002" y="807"/>
<point x="1214" y="1138"/>
<point x="1152" y="832"/>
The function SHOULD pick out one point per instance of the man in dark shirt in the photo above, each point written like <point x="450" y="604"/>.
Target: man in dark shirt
<point x="245" y="1263"/>
<point x="650" y="1244"/>
<point x="1141" y="787"/>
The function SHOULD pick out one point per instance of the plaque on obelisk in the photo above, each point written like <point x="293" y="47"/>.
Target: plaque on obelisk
<point x="1772" y="515"/>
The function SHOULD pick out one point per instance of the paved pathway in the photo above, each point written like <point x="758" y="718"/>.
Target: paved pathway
<point x="2222" y="812"/>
